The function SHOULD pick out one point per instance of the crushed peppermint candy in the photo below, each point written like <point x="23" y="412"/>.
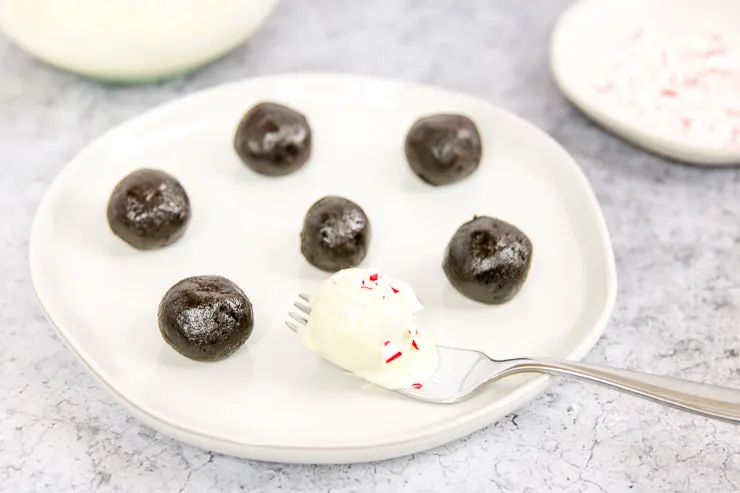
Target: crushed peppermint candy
<point x="417" y="386"/>
<point x="413" y="341"/>
<point x="682" y="86"/>
<point x="390" y="352"/>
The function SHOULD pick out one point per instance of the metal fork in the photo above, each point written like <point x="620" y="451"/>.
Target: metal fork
<point x="463" y="371"/>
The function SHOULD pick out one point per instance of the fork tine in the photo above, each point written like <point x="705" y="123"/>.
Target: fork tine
<point x="298" y="318"/>
<point x="304" y="308"/>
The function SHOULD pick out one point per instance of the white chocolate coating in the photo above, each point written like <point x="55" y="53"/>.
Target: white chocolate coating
<point x="365" y="322"/>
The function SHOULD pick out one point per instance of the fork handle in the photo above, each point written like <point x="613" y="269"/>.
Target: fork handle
<point x="713" y="401"/>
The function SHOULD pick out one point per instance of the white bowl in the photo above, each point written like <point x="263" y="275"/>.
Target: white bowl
<point x="589" y="28"/>
<point x="130" y="41"/>
<point x="273" y="400"/>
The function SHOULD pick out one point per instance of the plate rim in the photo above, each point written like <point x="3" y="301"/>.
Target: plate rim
<point x="316" y="452"/>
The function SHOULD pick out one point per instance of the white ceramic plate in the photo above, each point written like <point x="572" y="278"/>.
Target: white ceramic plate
<point x="586" y="32"/>
<point x="273" y="400"/>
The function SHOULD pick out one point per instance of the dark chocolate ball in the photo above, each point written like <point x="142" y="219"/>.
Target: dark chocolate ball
<point x="148" y="209"/>
<point x="443" y="149"/>
<point x="273" y="140"/>
<point x="205" y="318"/>
<point x="335" y="235"/>
<point x="488" y="260"/>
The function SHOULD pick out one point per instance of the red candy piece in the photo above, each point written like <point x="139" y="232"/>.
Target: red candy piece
<point x="373" y="277"/>
<point x="394" y="289"/>
<point x="413" y="342"/>
<point x="417" y="386"/>
<point x="395" y="356"/>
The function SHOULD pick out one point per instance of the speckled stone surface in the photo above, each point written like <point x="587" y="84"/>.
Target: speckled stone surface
<point x="676" y="232"/>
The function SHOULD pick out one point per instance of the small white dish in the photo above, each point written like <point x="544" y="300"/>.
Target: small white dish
<point x="130" y="41"/>
<point x="274" y="400"/>
<point x="586" y="32"/>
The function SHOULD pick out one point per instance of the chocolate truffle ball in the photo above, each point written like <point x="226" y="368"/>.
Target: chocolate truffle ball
<point x="335" y="235"/>
<point x="443" y="149"/>
<point x="488" y="260"/>
<point x="205" y="318"/>
<point x="148" y="209"/>
<point x="273" y="140"/>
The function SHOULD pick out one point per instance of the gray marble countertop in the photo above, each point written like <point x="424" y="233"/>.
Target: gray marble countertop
<point x="676" y="233"/>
